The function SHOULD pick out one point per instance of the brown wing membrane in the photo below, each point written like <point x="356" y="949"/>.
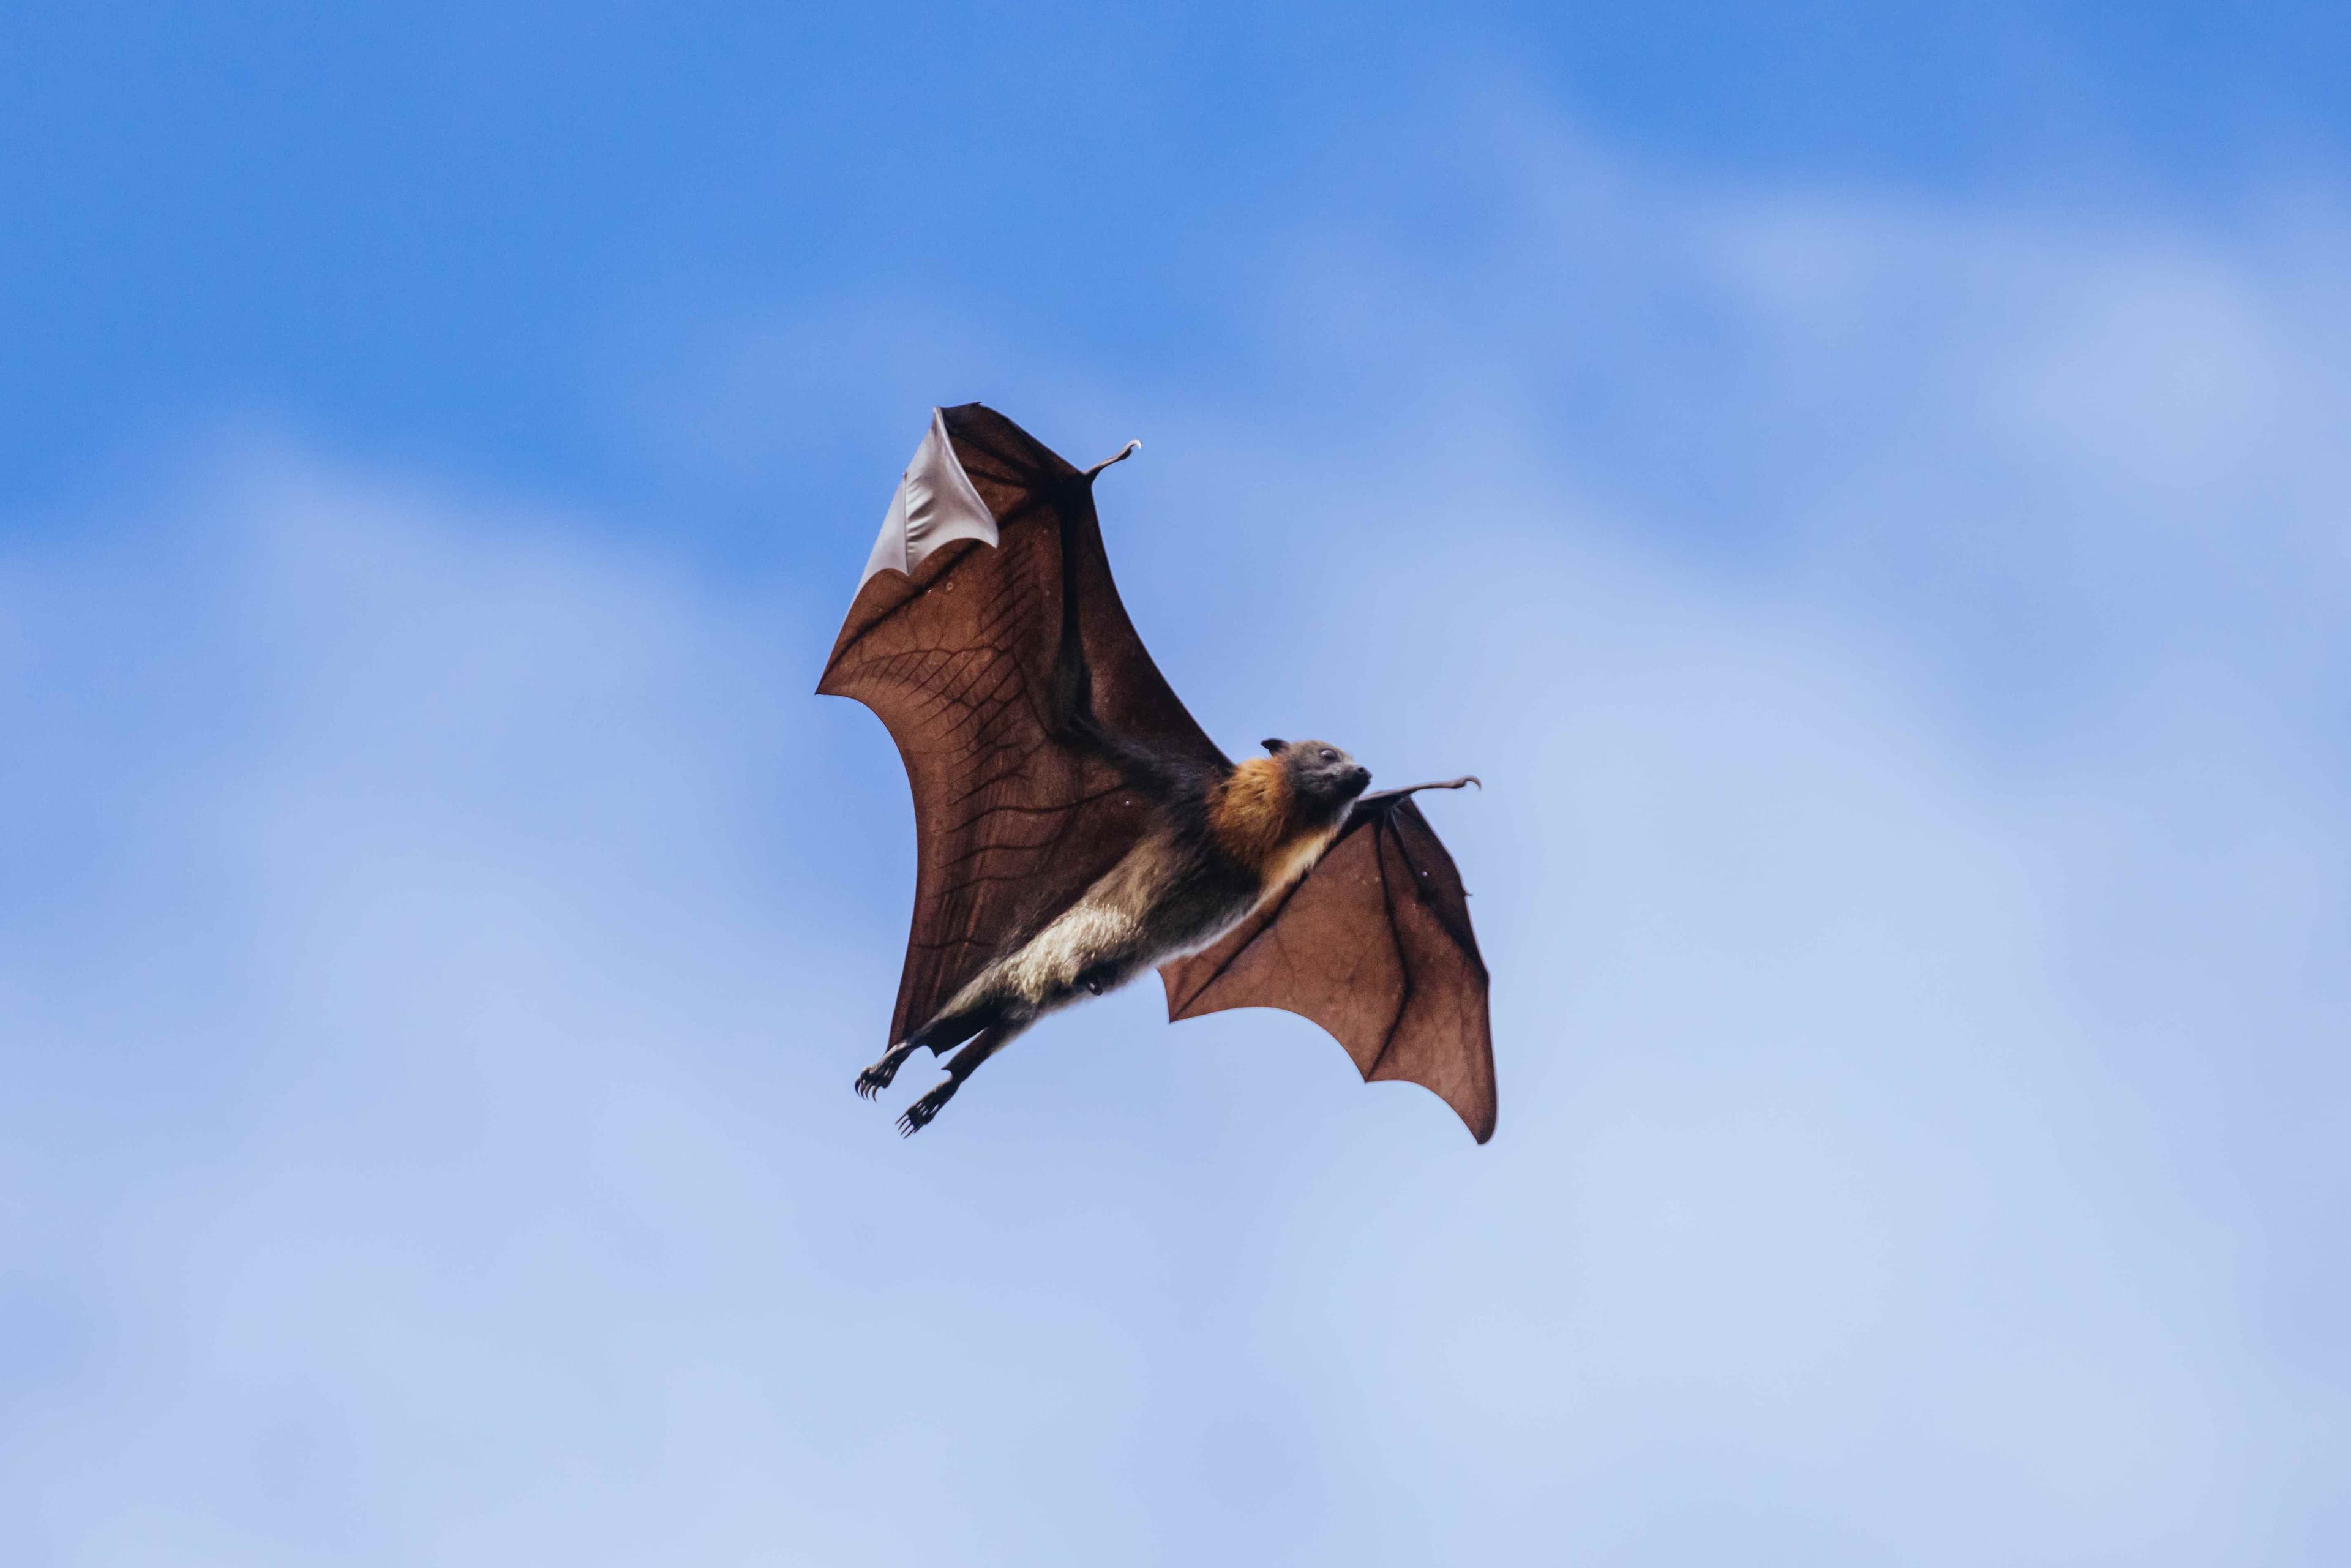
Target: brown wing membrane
<point x="987" y="666"/>
<point x="1374" y="945"/>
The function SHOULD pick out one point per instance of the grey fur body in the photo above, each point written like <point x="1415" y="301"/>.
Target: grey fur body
<point x="1165" y="898"/>
<point x="1174" y="893"/>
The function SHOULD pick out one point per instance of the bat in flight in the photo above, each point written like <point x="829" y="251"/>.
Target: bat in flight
<point x="1075" y="827"/>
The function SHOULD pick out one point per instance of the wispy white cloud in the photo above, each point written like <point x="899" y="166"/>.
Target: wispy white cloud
<point x="440" y="946"/>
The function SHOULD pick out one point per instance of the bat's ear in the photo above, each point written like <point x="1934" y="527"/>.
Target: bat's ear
<point x="1276" y="747"/>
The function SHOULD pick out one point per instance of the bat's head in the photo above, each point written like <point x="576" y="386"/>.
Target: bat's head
<point x="1323" y="779"/>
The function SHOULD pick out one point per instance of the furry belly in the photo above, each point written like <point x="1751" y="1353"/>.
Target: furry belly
<point x="1101" y="944"/>
<point x="1151" y="907"/>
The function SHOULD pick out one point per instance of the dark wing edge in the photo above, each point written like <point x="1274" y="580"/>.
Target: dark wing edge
<point x="1374" y="943"/>
<point x="973" y="662"/>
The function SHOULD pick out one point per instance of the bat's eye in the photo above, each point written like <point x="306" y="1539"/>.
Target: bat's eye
<point x="1329" y="755"/>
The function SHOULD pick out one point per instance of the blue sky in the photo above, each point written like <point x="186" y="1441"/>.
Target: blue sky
<point x="1865" y="488"/>
<point x="457" y="235"/>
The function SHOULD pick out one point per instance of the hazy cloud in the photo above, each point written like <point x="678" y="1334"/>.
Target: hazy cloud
<point x="439" y="946"/>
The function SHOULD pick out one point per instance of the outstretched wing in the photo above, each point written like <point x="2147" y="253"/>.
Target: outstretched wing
<point x="1037" y="733"/>
<point x="1374" y="945"/>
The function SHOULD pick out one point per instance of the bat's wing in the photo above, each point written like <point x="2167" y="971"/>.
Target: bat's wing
<point x="1374" y="945"/>
<point x="1036" y="731"/>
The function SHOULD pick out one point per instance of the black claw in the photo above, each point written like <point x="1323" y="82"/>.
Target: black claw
<point x="923" y="1112"/>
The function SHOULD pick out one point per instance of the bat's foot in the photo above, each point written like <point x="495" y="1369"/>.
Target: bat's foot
<point x="920" y="1113"/>
<point x="876" y="1078"/>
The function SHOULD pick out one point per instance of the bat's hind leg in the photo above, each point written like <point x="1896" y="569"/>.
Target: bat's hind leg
<point x="942" y="1035"/>
<point x="876" y="1078"/>
<point x="961" y="1066"/>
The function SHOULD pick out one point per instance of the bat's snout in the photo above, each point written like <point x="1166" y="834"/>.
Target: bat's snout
<point x="1359" y="778"/>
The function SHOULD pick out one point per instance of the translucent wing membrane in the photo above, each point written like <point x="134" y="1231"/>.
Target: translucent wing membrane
<point x="985" y="662"/>
<point x="1374" y="945"/>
